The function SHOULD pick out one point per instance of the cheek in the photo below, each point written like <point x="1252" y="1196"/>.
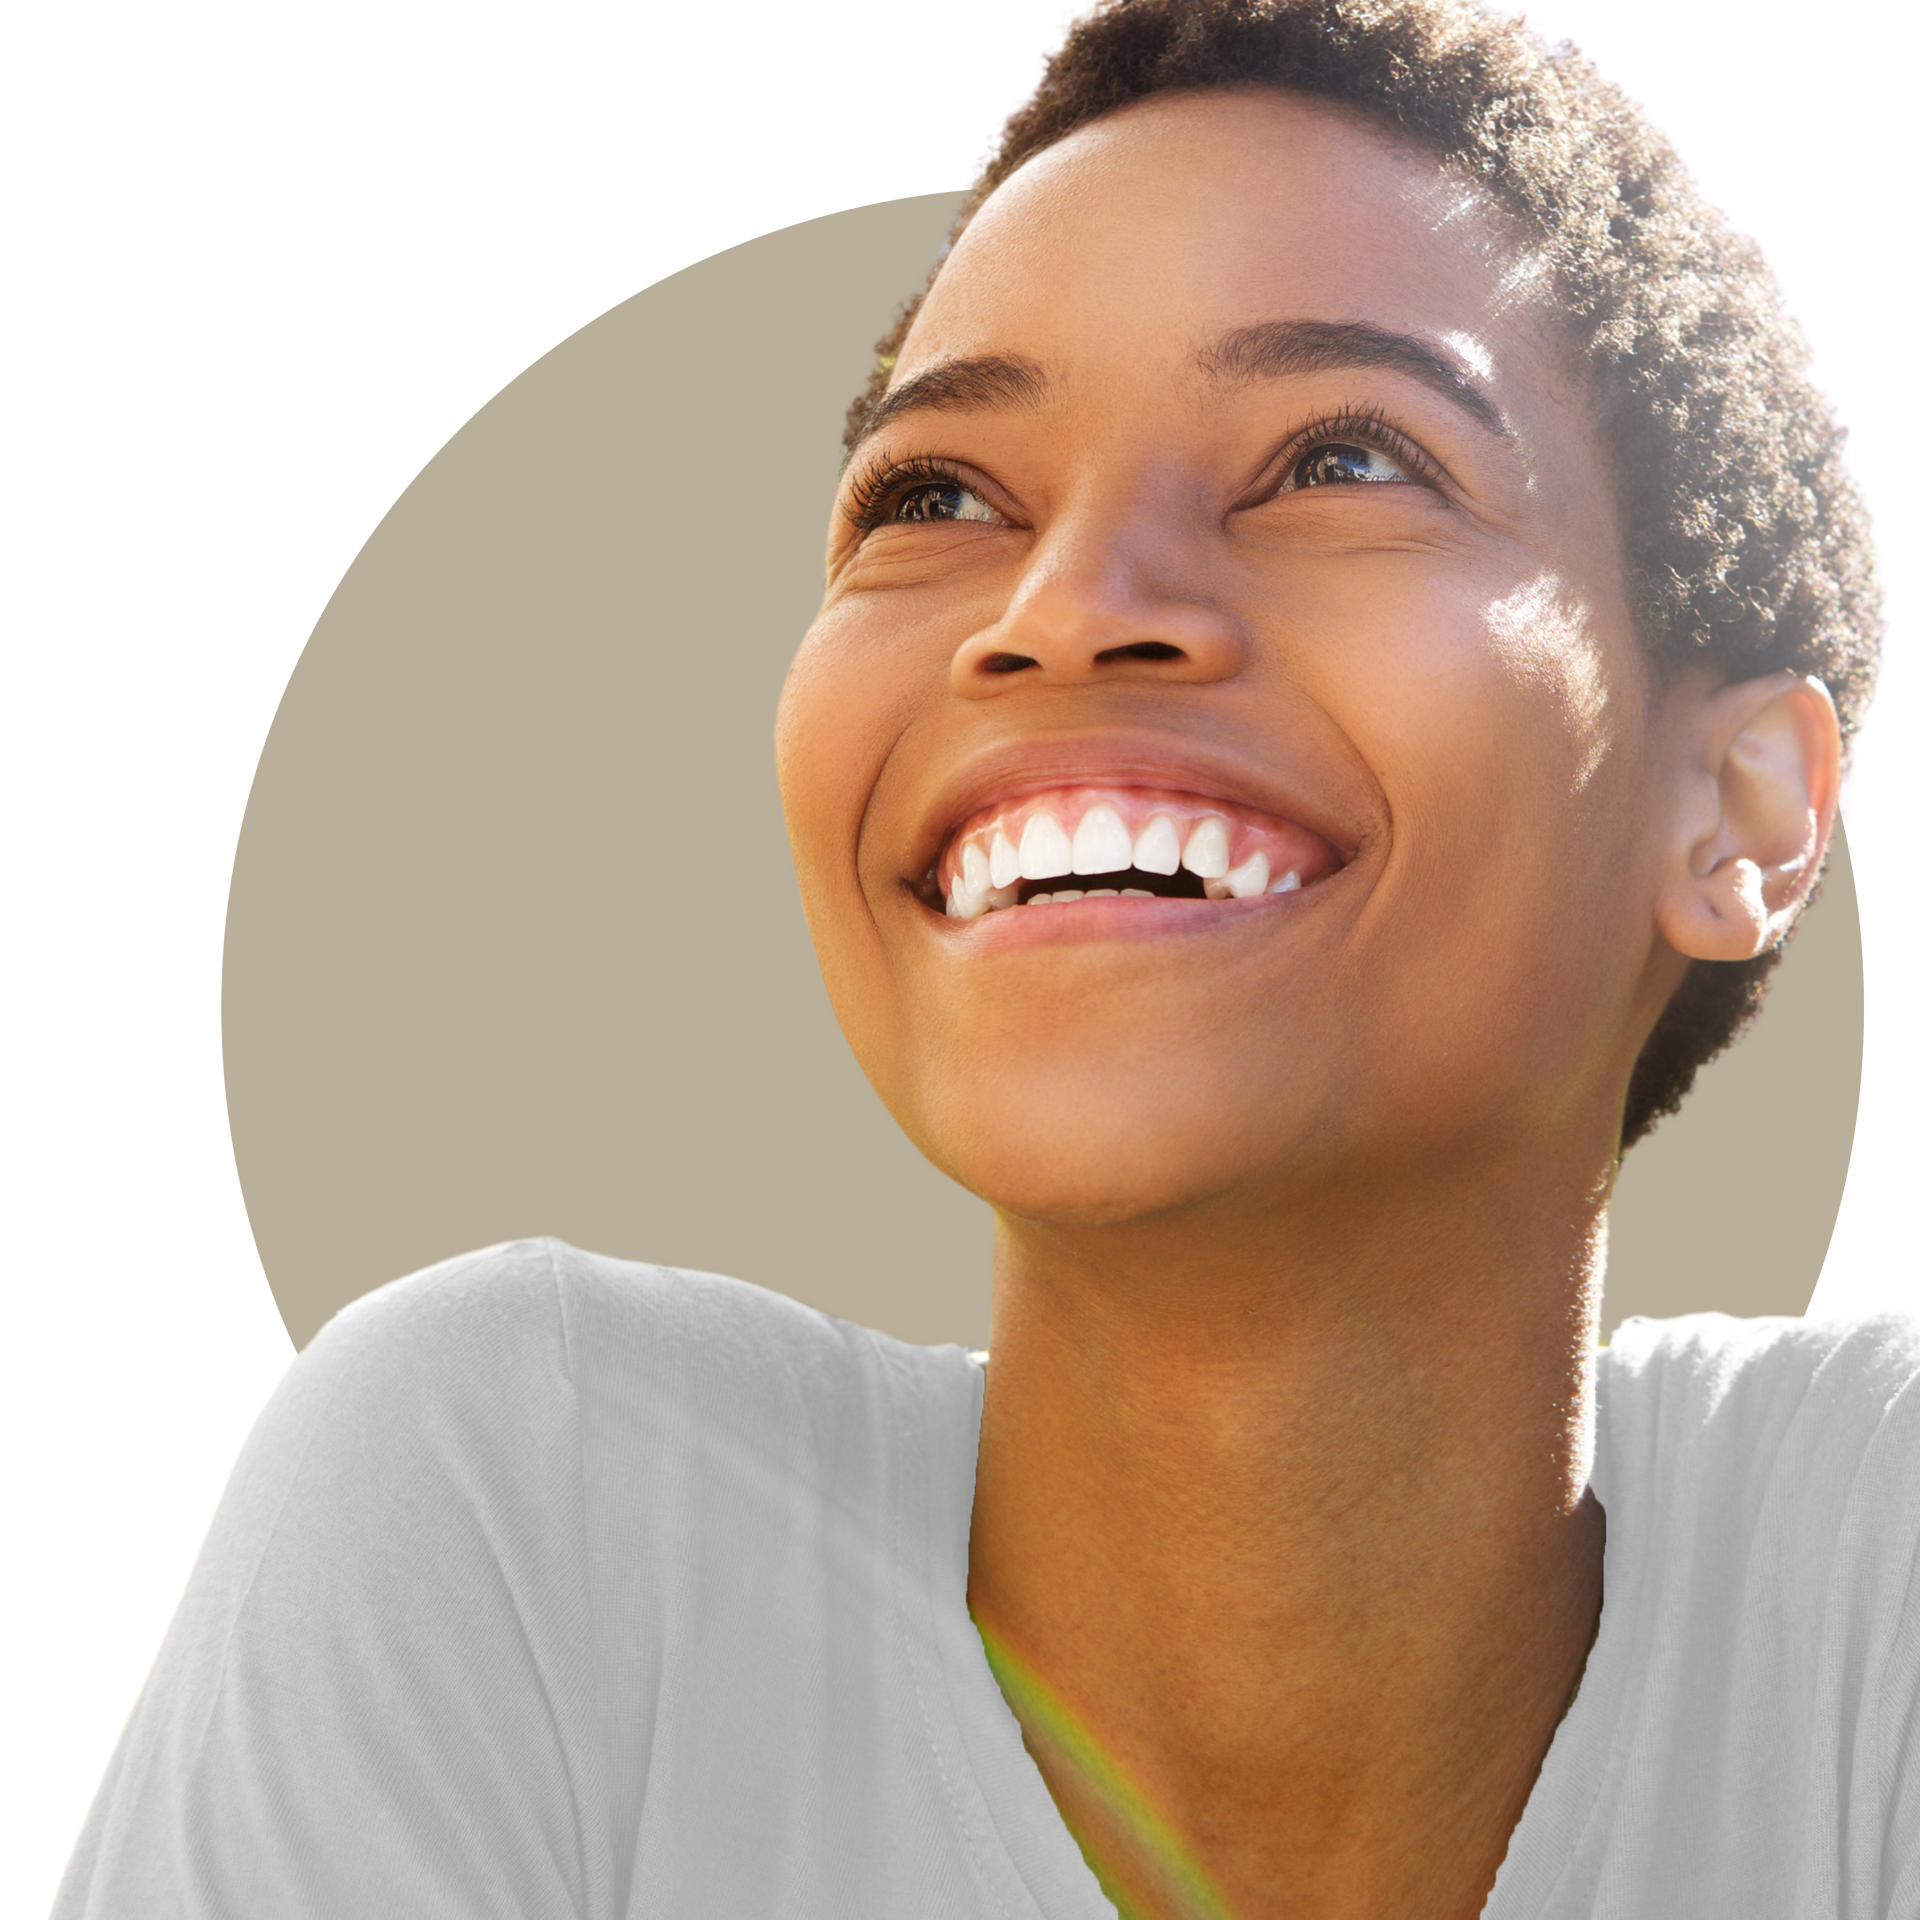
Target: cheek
<point x="849" y="697"/>
<point x="1503" y="717"/>
<point x="1488" y="704"/>
<point x="865" y="678"/>
<point x="823" y="735"/>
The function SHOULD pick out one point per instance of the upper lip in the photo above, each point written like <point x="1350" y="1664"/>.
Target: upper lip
<point x="1011" y="770"/>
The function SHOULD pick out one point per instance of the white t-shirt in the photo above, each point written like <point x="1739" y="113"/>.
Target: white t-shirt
<point x="551" y="1585"/>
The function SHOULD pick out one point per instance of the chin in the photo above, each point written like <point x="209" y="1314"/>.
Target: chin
<point x="1098" y="1149"/>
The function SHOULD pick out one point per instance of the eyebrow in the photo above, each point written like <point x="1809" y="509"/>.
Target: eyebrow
<point x="1267" y="350"/>
<point x="975" y="384"/>
<point x="1273" y="349"/>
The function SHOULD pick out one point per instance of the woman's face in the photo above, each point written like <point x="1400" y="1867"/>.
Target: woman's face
<point x="1235" y="510"/>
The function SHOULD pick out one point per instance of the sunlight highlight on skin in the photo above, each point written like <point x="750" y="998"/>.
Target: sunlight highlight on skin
<point x="1547" y="636"/>
<point x="1471" y="352"/>
<point x="1121" y="1801"/>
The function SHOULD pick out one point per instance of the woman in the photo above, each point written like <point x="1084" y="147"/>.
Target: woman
<point x="1341" y="625"/>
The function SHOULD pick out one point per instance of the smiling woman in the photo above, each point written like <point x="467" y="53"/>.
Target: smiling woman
<point x="1341" y="622"/>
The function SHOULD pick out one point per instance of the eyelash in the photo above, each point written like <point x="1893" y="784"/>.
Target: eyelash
<point x="1364" y="426"/>
<point x="873" y="496"/>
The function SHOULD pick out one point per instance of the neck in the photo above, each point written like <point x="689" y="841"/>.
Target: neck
<point x="1283" y="1549"/>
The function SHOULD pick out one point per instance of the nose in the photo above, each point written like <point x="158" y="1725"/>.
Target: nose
<point x="1099" y="603"/>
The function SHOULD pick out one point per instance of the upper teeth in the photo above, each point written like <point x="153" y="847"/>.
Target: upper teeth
<point x="1101" y="843"/>
<point x="989" y="877"/>
<point x="1158" y="848"/>
<point x="1206" y="849"/>
<point x="1045" y="850"/>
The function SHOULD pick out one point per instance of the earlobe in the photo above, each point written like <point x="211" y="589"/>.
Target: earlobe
<point x="1724" y="914"/>
<point x="1759" y="781"/>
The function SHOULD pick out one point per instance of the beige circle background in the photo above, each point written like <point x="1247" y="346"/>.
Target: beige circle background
<point x="514" y="947"/>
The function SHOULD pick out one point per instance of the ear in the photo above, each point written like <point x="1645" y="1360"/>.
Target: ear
<point x="1759" y="781"/>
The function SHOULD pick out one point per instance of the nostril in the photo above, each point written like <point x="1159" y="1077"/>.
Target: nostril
<point x="1007" y="663"/>
<point x="1142" y="650"/>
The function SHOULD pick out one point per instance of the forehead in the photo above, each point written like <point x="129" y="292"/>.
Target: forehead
<point x="1156" y="228"/>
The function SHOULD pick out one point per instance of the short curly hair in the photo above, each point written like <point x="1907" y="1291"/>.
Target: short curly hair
<point x="1747" y="545"/>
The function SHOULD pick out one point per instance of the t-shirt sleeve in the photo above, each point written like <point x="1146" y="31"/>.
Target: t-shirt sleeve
<point x="1747" y="1737"/>
<point x="376" y="1697"/>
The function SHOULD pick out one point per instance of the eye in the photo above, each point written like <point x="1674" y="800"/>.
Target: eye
<point x="1354" y="447"/>
<point x="940" y="500"/>
<point x="1340" y="463"/>
<point x="917" y="492"/>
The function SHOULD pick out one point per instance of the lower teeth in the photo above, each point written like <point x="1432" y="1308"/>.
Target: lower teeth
<point x="964" y="906"/>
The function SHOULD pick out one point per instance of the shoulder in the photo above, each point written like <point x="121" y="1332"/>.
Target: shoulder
<point x="1712" y="1382"/>
<point x="1761" y="1480"/>
<point x="539" y="1352"/>
<point x="538" y="1320"/>
<point x="561" y="1427"/>
<point x="1770" y="1443"/>
<point x="492" y="1518"/>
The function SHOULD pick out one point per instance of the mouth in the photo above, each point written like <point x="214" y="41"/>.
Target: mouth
<point x="1090" y="842"/>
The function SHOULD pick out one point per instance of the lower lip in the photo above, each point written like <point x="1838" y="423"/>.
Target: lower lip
<point x="1121" y="918"/>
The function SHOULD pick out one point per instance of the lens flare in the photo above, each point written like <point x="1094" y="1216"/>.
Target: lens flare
<point x="1181" y="1885"/>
